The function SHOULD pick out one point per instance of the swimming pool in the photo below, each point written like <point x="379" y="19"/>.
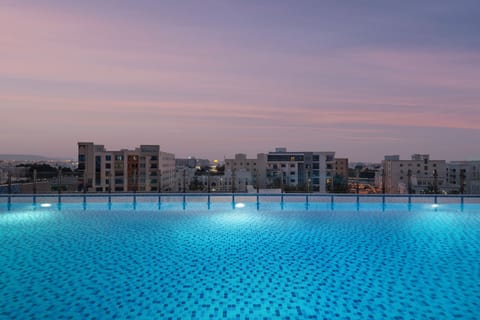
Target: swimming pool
<point x="290" y="260"/>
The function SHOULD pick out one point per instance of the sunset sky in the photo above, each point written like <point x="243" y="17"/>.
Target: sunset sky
<point x="212" y="78"/>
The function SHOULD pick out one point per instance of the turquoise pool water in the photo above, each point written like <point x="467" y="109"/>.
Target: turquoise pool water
<point x="257" y="263"/>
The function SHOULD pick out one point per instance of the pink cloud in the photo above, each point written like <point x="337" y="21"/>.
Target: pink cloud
<point x="165" y="84"/>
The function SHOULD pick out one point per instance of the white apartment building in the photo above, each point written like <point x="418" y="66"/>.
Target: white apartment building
<point x="191" y="162"/>
<point x="463" y="177"/>
<point x="306" y="170"/>
<point x="184" y="176"/>
<point x="245" y="172"/>
<point x="418" y="175"/>
<point x="144" y="169"/>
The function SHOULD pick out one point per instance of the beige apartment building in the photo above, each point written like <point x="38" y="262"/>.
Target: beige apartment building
<point x="418" y="175"/>
<point x="341" y="167"/>
<point x="463" y="177"/>
<point x="302" y="171"/>
<point x="242" y="171"/>
<point x="305" y="170"/>
<point x="143" y="169"/>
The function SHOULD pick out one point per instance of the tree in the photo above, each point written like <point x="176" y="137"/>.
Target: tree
<point x="220" y="169"/>
<point x="196" y="185"/>
<point x="340" y="184"/>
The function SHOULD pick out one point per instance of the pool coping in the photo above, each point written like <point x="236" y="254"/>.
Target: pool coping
<point x="253" y="197"/>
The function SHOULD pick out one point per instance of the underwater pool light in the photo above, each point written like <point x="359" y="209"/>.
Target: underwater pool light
<point x="240" y="205"/>
<point x="435" y="205"/>
<point x="46" y="205"/>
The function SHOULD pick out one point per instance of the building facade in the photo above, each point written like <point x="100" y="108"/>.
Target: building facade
<point x="191" y="162"/>
<point x="341" y="167"/>
<point x="302" y="171"/>
<point x="463" y="177"/>
<point x="242" y="171"/>
<point x="144" y="169"/>
<point x="418" y="175"/>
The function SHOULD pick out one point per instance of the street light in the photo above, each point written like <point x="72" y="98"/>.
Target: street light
<point x="159" y="181"/>
<point x="184" y="182"/>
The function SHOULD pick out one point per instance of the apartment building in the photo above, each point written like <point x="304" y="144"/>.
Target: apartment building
<point x="341" y="167"/>
<point x="143" y="169"/>
<point x="418" y="175"/>
<point x="191" y="162"/>
<point x="184" y="177"/>
<point x="303" y="171"/>
<point x="463" y="177"/>
<point x="242" y="171"/>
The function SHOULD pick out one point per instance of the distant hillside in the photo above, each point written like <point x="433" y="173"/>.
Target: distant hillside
<point x="22" y="157"/>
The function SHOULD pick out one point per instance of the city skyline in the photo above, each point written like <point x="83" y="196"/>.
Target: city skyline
<point x="214" y="78"/>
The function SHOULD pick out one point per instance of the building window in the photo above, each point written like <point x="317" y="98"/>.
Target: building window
<point x="98" y="162"/>
<point x="81" y="157"/>
<point x="108" y="157"/>
<point x="108" y="165"/>
<point x="119" y="158"/>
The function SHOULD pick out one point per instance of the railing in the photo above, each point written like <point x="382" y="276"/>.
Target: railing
<point x="235" y="198"/>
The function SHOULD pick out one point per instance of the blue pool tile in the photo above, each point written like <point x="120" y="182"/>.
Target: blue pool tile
<point x="237" y="264"/>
